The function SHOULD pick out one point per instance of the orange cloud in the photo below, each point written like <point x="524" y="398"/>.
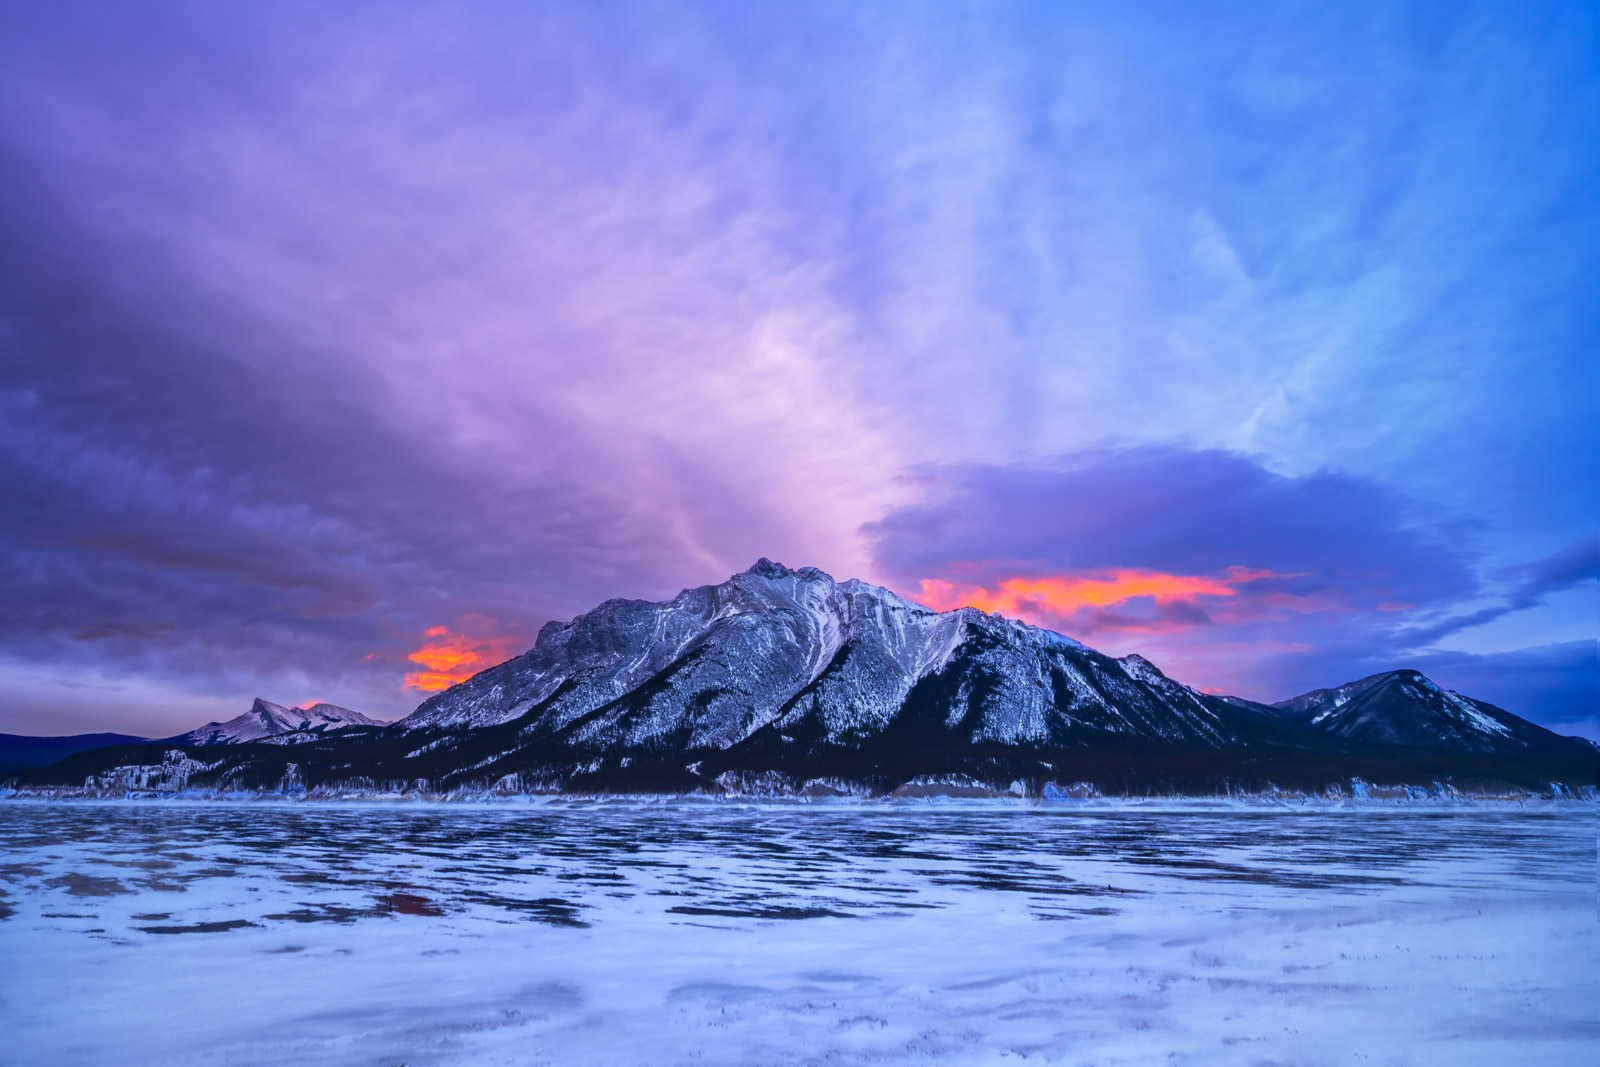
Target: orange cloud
<point x="1053" y="597"/>
<point x="451" y="657"/>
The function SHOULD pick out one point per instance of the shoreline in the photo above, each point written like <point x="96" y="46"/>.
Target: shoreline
<point x="1408" y="797"/>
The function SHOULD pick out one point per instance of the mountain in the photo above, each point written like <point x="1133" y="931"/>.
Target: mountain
<point x="268" y="720"/>
<point x="19" y="750"/>
<point x="786" y="681"/>
<point x="794" y="654"/>
<point x="1406" y="707"/>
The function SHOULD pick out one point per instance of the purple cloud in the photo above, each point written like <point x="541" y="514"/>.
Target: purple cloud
<point x="323" y="327"/>
<point x="1179" y="511"/>
<point x="198" y="496"/>
<point x="1233" y="577"/>
<point x="1530" y="585"/>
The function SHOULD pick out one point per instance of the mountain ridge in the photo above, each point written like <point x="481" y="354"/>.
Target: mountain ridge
<point x="1407" y="707"/>
<point x="781" y="675"/>
<point x="266" y="720"/>
<point x="772" y="645"/>
<point x="24" y="750"/>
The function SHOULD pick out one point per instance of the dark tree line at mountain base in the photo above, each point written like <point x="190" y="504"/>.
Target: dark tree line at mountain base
<point x="482" y="759"/>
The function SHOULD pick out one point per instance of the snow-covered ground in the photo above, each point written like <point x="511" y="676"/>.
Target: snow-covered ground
<point x="637" y="932"/>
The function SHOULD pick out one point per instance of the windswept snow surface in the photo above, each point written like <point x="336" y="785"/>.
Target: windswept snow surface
<point x="629" y="932"/>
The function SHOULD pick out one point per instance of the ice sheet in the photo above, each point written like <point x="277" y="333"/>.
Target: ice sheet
<point x="626" y="932"/>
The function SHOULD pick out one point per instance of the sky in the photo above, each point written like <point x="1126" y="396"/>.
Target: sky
<point x="342" y="346"/>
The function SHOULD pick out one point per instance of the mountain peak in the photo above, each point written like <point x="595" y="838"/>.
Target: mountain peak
<point x="779" y="654"/>
<point x="323" y="709"/>
<point x="266" y="719"/>
<point x="1141" y="669"/>
<point x="1406" y="707"/>
<point x="786" y="660"/>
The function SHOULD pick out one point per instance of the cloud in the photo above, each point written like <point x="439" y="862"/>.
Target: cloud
<point x="1531" y="583"/>
<point x="1082" y="603"/>
<point x="1574" y="565"/>
<point x="1177" y="511"/>
<point x="200" y="496"/>
<point x="320" y="327"/>
<point x="448" y="657"/>
<point x="1233" y="577"/>
<point x="302" y="354"/>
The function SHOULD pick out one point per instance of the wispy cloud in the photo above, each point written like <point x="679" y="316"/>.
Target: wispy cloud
<point x="1529" y="585"/>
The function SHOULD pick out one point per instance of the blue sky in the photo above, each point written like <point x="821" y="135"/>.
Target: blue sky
<point x="325" y="328"/>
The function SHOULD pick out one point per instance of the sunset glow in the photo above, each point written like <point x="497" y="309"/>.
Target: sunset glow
<point x="1050" y="599"/>
<point x="451" y="657"/>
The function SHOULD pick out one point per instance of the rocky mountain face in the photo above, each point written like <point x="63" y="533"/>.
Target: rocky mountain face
<point x="795" y="654"/>
<point x="782" y="680"/>
<point x="266" y="720"/>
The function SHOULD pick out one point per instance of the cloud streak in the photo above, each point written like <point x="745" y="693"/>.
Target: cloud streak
<point x="1082" y="604"/>
<point x="1532" y="584"/>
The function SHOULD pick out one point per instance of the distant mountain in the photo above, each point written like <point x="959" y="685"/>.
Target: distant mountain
<point x="1407" y="708"/>
<point x="786" y="681"/>
<point x="18" y="750"/>
<point x="267" y="720"/>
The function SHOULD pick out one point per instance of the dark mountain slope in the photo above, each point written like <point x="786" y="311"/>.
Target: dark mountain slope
<point x="1407" y="708"/>
<point x="19" y="750"/>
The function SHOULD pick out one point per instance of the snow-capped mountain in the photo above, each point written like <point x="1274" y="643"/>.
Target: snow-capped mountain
<point x="782" y="680"/>
<point x="795" y="654"/>
<point x="267" y="720"/>
<point x="1406" y="707"/>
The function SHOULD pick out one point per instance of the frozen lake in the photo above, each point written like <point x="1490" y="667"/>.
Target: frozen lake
<point x="626" y="932"/>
